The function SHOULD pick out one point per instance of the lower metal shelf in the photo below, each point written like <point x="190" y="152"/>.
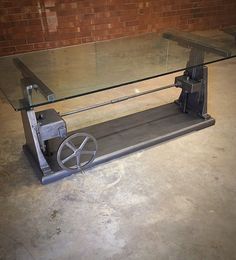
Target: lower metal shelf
<point x="131" y="133"/>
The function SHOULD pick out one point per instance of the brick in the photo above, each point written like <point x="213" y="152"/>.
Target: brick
<point x="26" y="27"/>
<point x="14" y="10"/>
<point x="33" y="38"/>
<point x="8" y="49"/>
<point x="16" y="42"/>
<point x="25" y="47"/>
<point x="5" y="43"/>
<point x="132" y="23"/>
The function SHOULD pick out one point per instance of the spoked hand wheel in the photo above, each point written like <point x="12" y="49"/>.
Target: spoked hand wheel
<point x="77" y="152"/>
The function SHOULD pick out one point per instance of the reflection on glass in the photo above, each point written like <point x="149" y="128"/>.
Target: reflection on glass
<point x="83" y="69"/>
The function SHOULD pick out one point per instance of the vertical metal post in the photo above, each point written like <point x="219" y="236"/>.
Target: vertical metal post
<point x="32" y="143"/>
<point x="193" y="97"/>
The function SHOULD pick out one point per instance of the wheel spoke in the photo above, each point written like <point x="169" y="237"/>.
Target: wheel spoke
<point x="88" y="152"/>
<point x="84" y="143"/>
<point x="71" y="146"/>
<point x="72" y="159"/>
<point x="68" y="158"/>
<point x="78" y="161"/>
<point x="84" y="163"/>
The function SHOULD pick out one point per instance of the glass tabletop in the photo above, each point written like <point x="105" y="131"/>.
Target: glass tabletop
<point x="38" y="78"/>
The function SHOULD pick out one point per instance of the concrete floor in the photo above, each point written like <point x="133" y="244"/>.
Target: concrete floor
<point x="173" y="201"/>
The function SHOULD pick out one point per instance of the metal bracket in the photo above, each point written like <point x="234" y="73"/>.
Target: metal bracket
<point x="40" y="127"/>
<point x="231" y="31"/>
<point x="50" y="126"/>
<point x="190" y="40"/>
<point x="34" y="80"/>
<point x="193" y="98"/>
<point x="27" y="87"/>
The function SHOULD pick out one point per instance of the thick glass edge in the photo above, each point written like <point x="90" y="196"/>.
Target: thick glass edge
<point x="10" y="102"/>
<point x="116" y="86"/>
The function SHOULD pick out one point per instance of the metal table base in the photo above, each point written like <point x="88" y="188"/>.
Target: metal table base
<point x="129" y="134"/>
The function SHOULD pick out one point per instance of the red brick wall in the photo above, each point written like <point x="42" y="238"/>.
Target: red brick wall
<point x="40" y="24"/>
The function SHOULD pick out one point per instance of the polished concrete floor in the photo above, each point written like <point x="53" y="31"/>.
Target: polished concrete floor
<point x="172" y="201"/>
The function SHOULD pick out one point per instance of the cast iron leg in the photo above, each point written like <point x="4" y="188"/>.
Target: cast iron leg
<point x="30" y="128"/>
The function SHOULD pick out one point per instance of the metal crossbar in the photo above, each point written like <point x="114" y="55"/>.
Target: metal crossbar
<point x="116" y="100"/>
